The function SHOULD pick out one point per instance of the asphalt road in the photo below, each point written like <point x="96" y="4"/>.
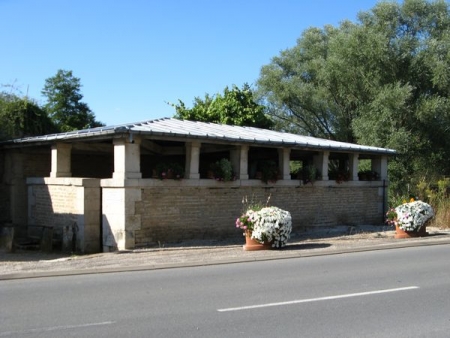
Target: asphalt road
<point x="393" y="293"/>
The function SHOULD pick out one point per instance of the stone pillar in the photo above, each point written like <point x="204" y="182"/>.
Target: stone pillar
<point x="320" y="161"/>
<point x="353" y="161"/>
<point x="192" y="160"/>
<point x="15" y="177"/>
<point x="61" y="156"/>
<point x="239" y="161"/>
<point x="127" y="158"/>
<point x="379" y="165"/>
<point x="7" y="237"/>
<point x="235" y="160"/>
<point x="283" y="160"/>
<point x="120" y="221"/>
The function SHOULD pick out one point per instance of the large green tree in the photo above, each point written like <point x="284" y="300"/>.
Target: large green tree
<point x="22" y="117"/>
<point x="383" y="81"/>
<point x="235" y="106"/>
<point x="64" y="104"/>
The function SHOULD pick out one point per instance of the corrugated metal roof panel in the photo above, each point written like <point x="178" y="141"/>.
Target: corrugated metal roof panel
<point x="204" y="130"/>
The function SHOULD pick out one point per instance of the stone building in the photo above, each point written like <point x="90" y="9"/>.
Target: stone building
<point x="109" y="188"/>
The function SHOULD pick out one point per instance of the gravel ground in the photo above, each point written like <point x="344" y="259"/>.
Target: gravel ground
<point x="23" y="264"/>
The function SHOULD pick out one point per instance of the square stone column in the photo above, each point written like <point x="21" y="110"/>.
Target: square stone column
<point x="379" y="165"/>
<point x="61" y="157"/>
<point x="192" y="160"/>
<point x="239" y="160"/>
<point x="127" y="158"/>
<point x="14" y="177"/>
<point x="283" y="160"/>
<point x="353" y="161"/>
<point x="120" y="221"/>
<point x="320" y="161"/>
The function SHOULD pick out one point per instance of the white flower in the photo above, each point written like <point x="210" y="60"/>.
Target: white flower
<point x="412" y="216"/>
<point x="272" y="224"/>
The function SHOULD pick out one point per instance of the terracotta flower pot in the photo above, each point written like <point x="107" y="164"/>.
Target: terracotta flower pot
<point x="253" y="245"/>
<point x="400" y="233"/>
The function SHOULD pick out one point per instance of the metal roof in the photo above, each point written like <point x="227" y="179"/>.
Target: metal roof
<point x="203" y="131"/>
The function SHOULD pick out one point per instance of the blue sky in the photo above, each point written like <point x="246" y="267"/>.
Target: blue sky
<point x="133" y="56"/>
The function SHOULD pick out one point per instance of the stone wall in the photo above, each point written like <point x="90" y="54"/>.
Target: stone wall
<point x="171" y="213"/>
<point x="72" y="206"/>
<point x="5" y="206"/>
<point x="5" y="212"/>
<point x="16" y="165"/>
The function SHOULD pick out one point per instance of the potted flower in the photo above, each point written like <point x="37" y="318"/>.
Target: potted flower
<point x="368" y="175"/>
<point x="169" y="171"/>
<point x="339" y="176"/>
<point x="310" y="174"/>
<point x="410" y="219"/>
<point x="267" y="171"/>
<point x="265" y="227"/>
<point x="222" y="170"/>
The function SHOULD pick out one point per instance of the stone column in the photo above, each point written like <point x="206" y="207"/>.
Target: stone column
<point x="379" y="165"/>
<point x="353" y="160"/>
<point x="192" y="160"/>
<point x="15" y="177"/>
<point x="320" y="161"/>
<point x="283" y="160"/>
<point x="120" y="221"/>
<point x="127" y="158"/>
<point x="61" y="156"/>
<point x="239" y="160"/>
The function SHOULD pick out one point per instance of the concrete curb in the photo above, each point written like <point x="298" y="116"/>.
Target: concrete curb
<point x="227" y="260"/>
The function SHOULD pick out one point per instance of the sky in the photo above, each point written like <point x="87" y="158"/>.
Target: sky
<point x="133" y="57"/>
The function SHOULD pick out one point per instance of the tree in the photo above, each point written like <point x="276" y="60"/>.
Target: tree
<point x="64" y="104"/>
<point x="234" y="107"/>
<point x="383" y="81"/>
<point x="21" y="117"/>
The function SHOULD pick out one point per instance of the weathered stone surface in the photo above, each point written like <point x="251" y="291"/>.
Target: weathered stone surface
<point x="7" y="238"/>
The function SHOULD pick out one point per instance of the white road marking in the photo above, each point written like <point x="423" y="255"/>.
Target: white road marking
<point x="359" y="294"/>
<point x="53" y="328"/>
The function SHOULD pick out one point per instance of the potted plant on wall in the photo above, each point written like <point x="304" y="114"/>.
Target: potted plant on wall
<point x="338" y="175"/>
<point x="265" y="227"/>
<point x="169" y="171"/>
<point x="222" y="170"/>
<point x="410" y="219"/>
<point x="368" y="175"/>
<point x="267" y="171"/>
<point x="310" y="174"/>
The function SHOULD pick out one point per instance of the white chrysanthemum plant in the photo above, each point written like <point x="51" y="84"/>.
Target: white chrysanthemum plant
<point x="412" y="216"/>
<point x="267" y="225"/>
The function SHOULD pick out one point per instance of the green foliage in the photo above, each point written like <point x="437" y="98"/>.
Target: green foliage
<point x="269" y="171"/>
<point x="64" y="104"/>
<point x="295" y="167"/>
<point x="223" y="170"/>
<point x="234" y="107"/>
<point x="171" y="170"/>
<point x="368" y="175"/>
<point x="434" y="191"/>
<point x="383" y="81"/>
<point x="21" y="117"/>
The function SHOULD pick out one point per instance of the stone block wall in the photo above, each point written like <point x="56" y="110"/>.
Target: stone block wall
<point x="5" y="212"/>
<point x="72" y="206"/>
<point x="16" y="165"/>
<point x="172" y="214"/>
<point x="5" y="206"/>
